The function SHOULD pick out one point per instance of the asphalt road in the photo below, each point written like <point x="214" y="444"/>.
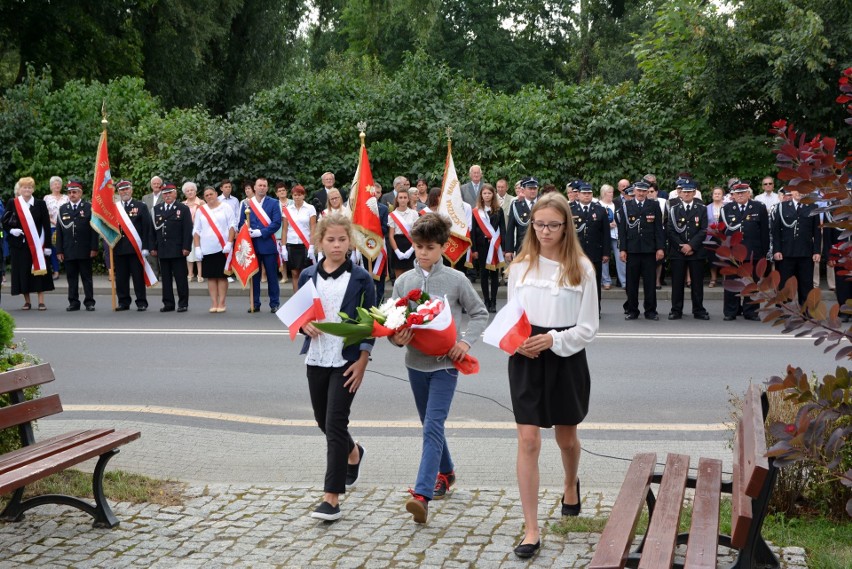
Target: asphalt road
<point x="649" y="373"/>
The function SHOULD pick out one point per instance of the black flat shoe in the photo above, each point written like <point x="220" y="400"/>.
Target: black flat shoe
<point x="729" y="318"/>
<point x="182" y="309"/>
<point x="652" y="316"/>
<point x="527" y="550"/>
<point x="167" y="309"/>
<point x="572" y="509"/>
<point x="142" y="309"/>
<point x="121" y="308"/>
<point x="90" y="309"/>
<point x="632" y="317"/>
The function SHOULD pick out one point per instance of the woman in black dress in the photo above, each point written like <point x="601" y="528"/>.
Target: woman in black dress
<point x="25" y="278"/>
<point x="488" y="222"/>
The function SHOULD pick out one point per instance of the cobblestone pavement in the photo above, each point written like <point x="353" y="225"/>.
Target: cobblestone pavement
<point x="256" y="526"/>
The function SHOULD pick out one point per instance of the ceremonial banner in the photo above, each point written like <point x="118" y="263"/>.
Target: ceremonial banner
<point x="244" y="262"/>
<point x="365" y="210"/>
<point x="105" y="216"/>
<point x="452" y="207"/>
<point x="303" y="307"/>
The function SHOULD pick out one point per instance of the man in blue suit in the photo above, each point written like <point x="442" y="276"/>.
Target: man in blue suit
<point x="264" y="221"/>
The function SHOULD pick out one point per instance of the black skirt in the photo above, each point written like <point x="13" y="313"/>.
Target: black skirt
<point x="403" y="244"/>
<point x="549" y="390"/>
<point x="213" y="266"/>
<point x="297" y="257"/>
<point x="23" y="279"/>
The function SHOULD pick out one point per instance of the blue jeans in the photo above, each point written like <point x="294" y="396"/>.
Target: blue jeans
<point x="620" y="266"/>
<point x="433" y="394"/>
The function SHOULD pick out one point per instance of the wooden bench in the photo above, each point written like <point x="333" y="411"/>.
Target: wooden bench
<point x="750" y="487"/>
<point x="37" y="460"/>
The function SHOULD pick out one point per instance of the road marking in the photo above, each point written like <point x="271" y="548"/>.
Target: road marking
<point x="228" y="332"/>
<point x="468" y="425"/>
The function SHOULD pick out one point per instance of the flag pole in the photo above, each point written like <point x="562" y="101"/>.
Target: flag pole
<point x="251" y="289"/>
<point x="104" y="123"/>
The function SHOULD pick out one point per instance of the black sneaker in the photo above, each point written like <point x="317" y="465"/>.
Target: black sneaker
<point x="327" y="512"/>
<point x="353" y="471"/>
<point x="418" y="507"/>
<point x="443" y="485"/>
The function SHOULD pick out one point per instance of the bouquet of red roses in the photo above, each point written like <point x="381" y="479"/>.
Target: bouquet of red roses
<point x="430" y="319"/>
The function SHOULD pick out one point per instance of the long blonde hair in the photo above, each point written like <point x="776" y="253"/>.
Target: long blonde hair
<point x="570" y="254"/>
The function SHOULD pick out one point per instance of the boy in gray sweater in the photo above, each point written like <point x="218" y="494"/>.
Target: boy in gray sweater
<point x="433" y="379"/>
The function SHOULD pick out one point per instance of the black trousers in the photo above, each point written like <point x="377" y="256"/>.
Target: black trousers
<point x="175" y="269"/>
<point x="332" y="402"/>
<point x="127" y="267"/>
<point x="598" y="268"/>
<point x="490" y="281"/>
<point x="803" y="269"/>
<point x="679" y="268"/>
<point x="79" y="270"/>
<point x="641" y="266"/>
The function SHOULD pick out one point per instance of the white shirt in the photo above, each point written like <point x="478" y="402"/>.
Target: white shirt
<point x="613" y="231"/>
<point x="551" y="306"/>
<point x="223" y="217"/>
<point x="233" y="202"/>
<point x="302" y="217"/>
<point x="409" y="216"/>
<point x="768" y="200"/>
<point x="326" y="350"/>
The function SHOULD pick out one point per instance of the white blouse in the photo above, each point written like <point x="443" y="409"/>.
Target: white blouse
<point x="302" y="217"/>
<point x="409" y="216"/>
<point x="53" y="204"/>
<point x="326" y="350"/>
<point x="550" y="306"/>
<point x="223" y="217"/>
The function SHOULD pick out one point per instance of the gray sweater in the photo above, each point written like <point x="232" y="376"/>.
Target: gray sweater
<point x="444" y="281"/>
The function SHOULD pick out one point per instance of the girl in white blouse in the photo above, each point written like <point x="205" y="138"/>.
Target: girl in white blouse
<point x="548" y="375"/>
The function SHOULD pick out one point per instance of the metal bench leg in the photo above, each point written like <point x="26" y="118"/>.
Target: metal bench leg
<point x="104" y="518"/>
<point x="13" y="512"/>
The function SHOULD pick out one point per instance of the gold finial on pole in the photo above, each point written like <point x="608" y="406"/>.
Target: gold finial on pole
<point x="104" y="121"/>
<point x="449" y="138"/>
<point x="362" y="127"/>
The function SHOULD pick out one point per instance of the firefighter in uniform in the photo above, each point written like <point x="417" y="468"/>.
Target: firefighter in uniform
<point x="76" y="246"/>
<point x="173" y="228"/>
<point x="592" y="224"/>
<point x="797" y="242"/>
<point x="686" y="231"/>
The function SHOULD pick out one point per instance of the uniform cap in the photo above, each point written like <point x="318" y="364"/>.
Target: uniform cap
<point x="529" y="182"/>
<point x="686" y="184"/>
<point x="74" y="184"/>
<point x="641" y="185"/>
<point x="168" y="187"/>
<point x="740" y="187"/>
<point x="124" y="185"/>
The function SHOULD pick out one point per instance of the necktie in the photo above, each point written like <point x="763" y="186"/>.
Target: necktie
<point x="686" y="208"/>
<point x="742" y="209"/>
<point x="585" y="209"/>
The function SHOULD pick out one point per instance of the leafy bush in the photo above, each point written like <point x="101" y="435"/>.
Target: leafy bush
<point x="12" y="357"/>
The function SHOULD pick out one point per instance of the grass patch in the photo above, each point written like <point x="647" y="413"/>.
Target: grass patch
<point x="119" y="486"/>
<point x="579" y="524"/>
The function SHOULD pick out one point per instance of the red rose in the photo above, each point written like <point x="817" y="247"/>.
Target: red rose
<point x="780" y="123"/>
<point x="415" y="318"/>
<point x="415" y="294"/>
<point x="402" y="301"/>
<point x="848" y="72"/>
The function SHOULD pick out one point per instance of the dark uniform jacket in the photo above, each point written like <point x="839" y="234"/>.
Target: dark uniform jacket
<point x="754" y="223"/>
<point x="592" y="229"/>
<point x="41" y="219"/>
<point x="796" y="233"/>
<point x="517" y="225"/>
<point x="173" y="230"/>
<point x="683" y="229"/>
<point x="640" y="230"/>
<point x="75" y="237"/>
<point x="140" y="217"/>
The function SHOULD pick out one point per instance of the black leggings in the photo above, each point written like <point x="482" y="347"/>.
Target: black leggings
<point x="490" y="281"/>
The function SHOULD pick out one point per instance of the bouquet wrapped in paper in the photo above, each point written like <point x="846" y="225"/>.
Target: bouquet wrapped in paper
<point x="431" y="320"/>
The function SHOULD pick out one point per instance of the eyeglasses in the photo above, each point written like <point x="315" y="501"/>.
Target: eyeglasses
<point x="552" y="226"/>
<point x="768" y="183"/>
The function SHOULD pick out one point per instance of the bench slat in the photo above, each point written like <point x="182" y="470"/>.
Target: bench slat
<point x="661" y="538"/>
<point x="613" y="548"/>
<point x="756" y="463"/>
<point x="29" y="411"/>
<point x="704" y="530"/>
<point x="45" y="448"/>
<point x="25" y="377"/>
<point x="60" y="461"/>
<point x="740" y="502"/>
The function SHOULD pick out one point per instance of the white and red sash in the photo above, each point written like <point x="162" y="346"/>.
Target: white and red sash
<point x="35" y="240"/>
<point x="296" y="228"/>
<point x="264" y="220"/>
<point x="379" y="263"/>
<point x="136" y="241"/>
<point x="401" y="225"/>
<point x="494" y="257"/>
<point x="205" y="209"/>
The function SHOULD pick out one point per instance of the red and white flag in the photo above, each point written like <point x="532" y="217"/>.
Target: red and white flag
<point x="509" y="329"/>
<point x="243" y="262"/>
<point x="303" y="307"/>
<point x="452" y="207"/>
<point x="369" y="238"/>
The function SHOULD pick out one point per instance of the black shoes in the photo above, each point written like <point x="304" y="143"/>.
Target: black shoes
<point x="443" y="484"/>
<point x="73" y="308"/>
<point x="182" y="309"/>
<point x="652" y="316"/>
<point x="142" y="308"/>
<point x="572" y="509"/>
<point x="729" y="318"/>
<point x="752" y="317"/>
<point x="527" y="550"/>
<point x="632" y="317"/>
<point x="253" y="310"/>
<point x="327" y="512"/>
<point x="675" y="315"/>
<point x="121" y="308"/>
<point x="353" y="471"/>
<point x="492" y="307"/>
<point x="273" y="309"/>
<point x="167" y="309"/>
<point x="702" y="316"/>
<point x="418" y="507"/>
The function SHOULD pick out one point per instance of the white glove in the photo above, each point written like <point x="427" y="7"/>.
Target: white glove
<point x="284" y="255"/>
<point x="47" y="252"/>
<point x="16" y="232"/>
<point x="145" y="252"/>
<point x="254" y="233"/>
<point x="356" y="257"/>
<point x="227" y="248"/>
<point x="399" y="254"/>
<point x="198" y="254"/>
<point x="409" y="253"/>
<point x="311" y="253"/>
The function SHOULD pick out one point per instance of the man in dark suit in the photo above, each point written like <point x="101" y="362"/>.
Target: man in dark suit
<point x="470" y="190"/>
<point x="128" y="263"/>
<point x="173" y="229"/>
<point x="749" y="217"/>
<point x="264" y="221"/>
<point x="641" y="242"/>
<point x="686" y="230"/>
<point x="319" y="199"/>
<point x="400" y="184"/>
<point x="592" y="224"/>
<point x="77" y="245"/>
<point x="797" y="241"/>
<point x="519" y="217"/>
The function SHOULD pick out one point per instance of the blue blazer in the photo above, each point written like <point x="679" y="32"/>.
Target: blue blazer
<point x="266" y="243"/>
<point x="361" y="291"/>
